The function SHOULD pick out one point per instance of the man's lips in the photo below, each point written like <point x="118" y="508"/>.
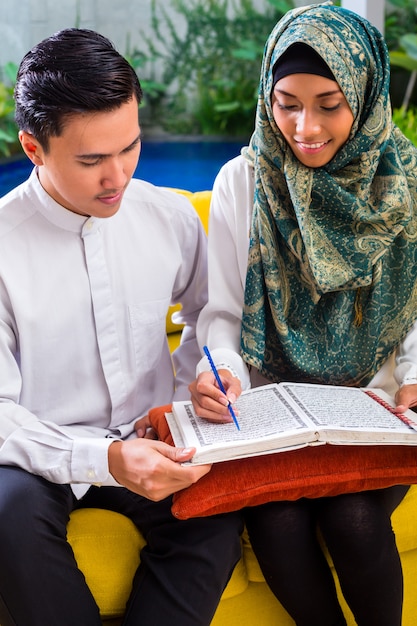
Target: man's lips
<point x="111" y="198"/>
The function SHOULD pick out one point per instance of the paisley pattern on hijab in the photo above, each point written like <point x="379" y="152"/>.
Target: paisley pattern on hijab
<point x="331" y="282"/>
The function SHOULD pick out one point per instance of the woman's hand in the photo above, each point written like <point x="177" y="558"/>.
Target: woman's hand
<point x="144" y="429"/>
<point x="211" y="403"/>
<point x="406" y="398"/>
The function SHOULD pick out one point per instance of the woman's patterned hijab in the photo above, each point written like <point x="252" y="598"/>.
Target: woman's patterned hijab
<point x="331" y="281"/>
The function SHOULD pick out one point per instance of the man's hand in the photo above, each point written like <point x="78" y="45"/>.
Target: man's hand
<point x="406" y="398"/>
<point x="208" y="401"/>
<point x="152" y="468"/>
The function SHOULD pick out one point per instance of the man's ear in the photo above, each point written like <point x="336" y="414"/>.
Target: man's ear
<point x="31" y="147"/>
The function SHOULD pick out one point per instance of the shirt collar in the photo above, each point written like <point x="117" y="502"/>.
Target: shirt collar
<point x="55" y="212"/>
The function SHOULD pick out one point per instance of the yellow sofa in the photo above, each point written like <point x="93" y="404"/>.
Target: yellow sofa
<point x="107" y="547"/>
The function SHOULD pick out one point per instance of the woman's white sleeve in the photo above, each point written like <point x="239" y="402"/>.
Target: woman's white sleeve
<point x="406" y="361"/>
<point x="220" y="321"/>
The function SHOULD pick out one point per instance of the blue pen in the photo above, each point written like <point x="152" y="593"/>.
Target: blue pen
<point x="219" y="382"/>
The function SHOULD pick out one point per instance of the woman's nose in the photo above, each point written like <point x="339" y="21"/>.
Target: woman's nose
<point x="307" y="124"/>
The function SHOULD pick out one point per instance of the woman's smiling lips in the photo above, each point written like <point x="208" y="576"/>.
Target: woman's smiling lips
<point x="311" y="148"/>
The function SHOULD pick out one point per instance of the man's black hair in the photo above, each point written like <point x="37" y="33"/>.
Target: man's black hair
<point x="73" y="71"/>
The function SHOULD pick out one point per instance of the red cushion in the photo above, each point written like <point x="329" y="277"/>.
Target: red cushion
<point x="310" y="472"/>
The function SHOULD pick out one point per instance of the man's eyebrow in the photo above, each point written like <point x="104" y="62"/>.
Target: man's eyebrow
<point x="319" y="95"/>
<point x="94" y="156"/>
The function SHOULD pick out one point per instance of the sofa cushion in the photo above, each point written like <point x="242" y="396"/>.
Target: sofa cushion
<point x="200" y="201"/>
<point x="106" y="547"/>
<point x="311" y="472"/>
<point x="404" y="522"/>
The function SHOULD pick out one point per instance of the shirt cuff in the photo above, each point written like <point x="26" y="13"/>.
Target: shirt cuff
<point x="89" y="461"/>
<point x="224" y="358"/>
<point x="406" y="374"/>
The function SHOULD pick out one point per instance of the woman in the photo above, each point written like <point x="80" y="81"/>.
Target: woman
<point x="324" y="199"/>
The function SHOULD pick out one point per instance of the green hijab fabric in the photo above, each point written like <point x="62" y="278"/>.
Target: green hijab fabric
<point x="331" y="282"/>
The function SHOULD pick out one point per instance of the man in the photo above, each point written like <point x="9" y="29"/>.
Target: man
<point x="90" y="261"/>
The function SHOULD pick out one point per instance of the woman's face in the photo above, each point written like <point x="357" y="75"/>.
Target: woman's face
<point x="313" y="115"/>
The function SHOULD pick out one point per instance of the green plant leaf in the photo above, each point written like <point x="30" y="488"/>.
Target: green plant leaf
<point x="406" y="120"/>
<point x="401" y="59"/>
<point x="403" y="4"/>
<point x="409" y="43"/>
<point x="227" y="107"/>
<point x="10" y="72"/>
<point x="281" y="5"/>
<point x="9" y="137"/>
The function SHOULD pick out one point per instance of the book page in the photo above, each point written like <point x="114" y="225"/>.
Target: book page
<point x="263" y="412"/>
<point x="343" y="407"/>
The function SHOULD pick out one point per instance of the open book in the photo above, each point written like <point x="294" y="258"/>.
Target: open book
<point x="285" y="416"/>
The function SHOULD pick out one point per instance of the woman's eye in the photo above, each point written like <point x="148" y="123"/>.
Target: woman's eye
<point x="331" y="108"/>
<point x="287" y="107"/>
